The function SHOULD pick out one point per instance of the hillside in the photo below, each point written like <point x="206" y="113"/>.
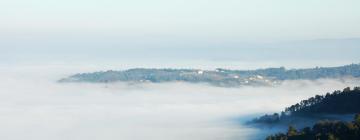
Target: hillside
<point x="323" y="130"/>
<point x="335" y="103"/>
<point x="218" y="77"/>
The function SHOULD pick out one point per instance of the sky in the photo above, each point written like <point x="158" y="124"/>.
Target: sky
<point x="247" y="20"/>
<point x="189" y="30"/>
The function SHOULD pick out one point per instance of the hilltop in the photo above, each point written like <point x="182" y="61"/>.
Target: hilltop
<point x="218" y="77"/>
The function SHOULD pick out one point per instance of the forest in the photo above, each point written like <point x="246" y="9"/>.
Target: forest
<point x="335" y="103"/>
<point x="323" y="130"/>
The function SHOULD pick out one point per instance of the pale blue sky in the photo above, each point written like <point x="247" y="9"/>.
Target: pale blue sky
<point x="247" y="20"/>
<point x="183" y="29"/>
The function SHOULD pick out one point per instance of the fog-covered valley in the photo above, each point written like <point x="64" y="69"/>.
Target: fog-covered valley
<point x="179" y="70"/>
<point x="35" y="106"/>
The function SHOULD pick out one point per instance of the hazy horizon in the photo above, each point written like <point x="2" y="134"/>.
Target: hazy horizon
<point x="196" y="33"/>
<point x="43" y="41"/>
<point x="305" y="54"/>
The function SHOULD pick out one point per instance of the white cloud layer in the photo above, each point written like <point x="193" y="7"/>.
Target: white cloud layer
<point x="34" y="107"/>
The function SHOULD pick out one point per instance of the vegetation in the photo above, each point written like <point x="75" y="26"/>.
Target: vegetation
<point x="323" y="130"/>
<point x="311" y="73"/>
<point x="219" y="77"/>
<point x="337" y="102"/>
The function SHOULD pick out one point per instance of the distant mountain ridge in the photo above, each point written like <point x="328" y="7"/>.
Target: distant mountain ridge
<point x="218" y="77"/>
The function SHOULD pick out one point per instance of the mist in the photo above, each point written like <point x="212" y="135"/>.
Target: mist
<point x="35" y="106"/>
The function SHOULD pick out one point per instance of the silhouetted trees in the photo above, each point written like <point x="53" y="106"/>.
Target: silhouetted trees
<point x="323" y="130"/>
<point x="337" y="102"/>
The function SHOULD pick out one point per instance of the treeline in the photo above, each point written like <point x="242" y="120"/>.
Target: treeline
<point x="310" y="73"/>
<point x="323" y="130"/>
<point x="222" y="77"/>
<point x="140" y="75"/>
<point x="337" y="102"/>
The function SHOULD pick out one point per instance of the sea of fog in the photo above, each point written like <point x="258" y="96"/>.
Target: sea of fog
<point x="34" y="106"/>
